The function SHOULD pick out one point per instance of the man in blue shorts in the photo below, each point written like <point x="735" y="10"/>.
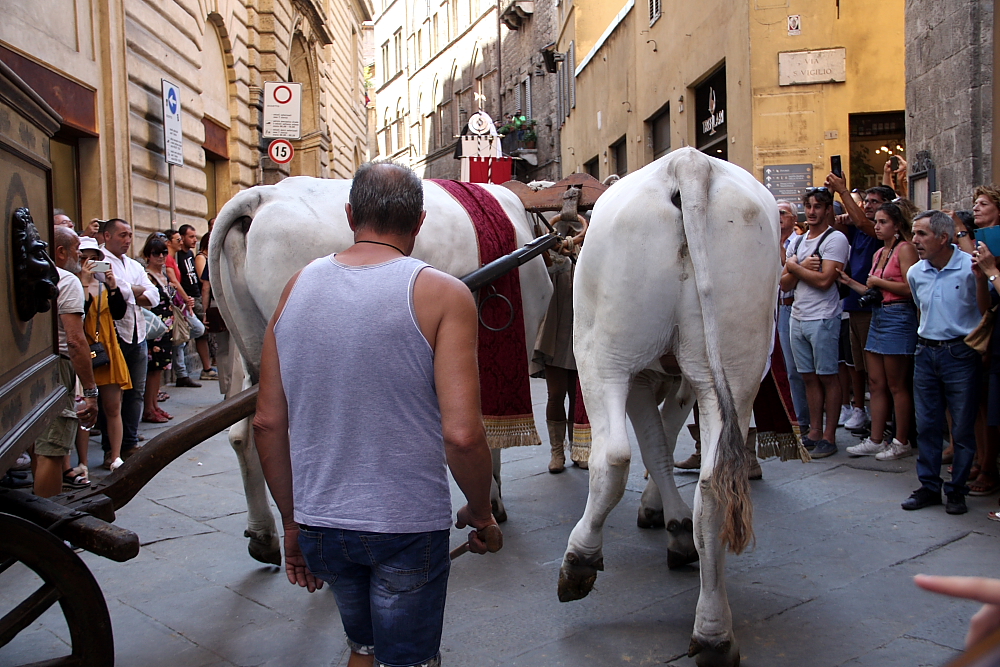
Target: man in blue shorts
<point x="811" y="270"/>
<point x="369" y="392"/>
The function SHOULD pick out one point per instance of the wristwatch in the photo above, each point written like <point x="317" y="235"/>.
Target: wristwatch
<point x="91" y="393"/>
<point x="992" y="279"/>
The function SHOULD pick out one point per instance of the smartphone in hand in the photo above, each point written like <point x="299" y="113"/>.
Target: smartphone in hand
<point x="836" y="167"/>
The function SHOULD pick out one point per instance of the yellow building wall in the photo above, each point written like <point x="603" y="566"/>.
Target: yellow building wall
<point x="640" y="68"/>
<point x="792" y="123"/>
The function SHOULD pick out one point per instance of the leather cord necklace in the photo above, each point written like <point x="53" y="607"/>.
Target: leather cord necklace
<point x="385" y="244"/>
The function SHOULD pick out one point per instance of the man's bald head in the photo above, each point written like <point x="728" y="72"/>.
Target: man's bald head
<point x="387" y="198"/>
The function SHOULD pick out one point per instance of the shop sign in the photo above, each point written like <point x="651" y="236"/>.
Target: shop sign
<point x="710" y="98"/>
<point x="804" y="67"/>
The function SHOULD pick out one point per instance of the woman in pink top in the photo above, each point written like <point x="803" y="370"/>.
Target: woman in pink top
<point x="892" y="338"/>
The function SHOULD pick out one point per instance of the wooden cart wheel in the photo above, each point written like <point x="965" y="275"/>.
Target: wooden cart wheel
<point x="68" y="581"/>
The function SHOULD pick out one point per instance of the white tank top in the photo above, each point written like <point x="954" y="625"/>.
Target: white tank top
<point x="363" y="417"/>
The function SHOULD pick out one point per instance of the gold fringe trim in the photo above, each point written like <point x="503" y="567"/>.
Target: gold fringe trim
<point x="512" y="431"/>
<point x="786" y="446"/>
<point x="580" y="451"/>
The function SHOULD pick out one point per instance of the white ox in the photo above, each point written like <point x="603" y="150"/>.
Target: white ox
<point x="267" y="233"/>
<point x="681" y="259"/>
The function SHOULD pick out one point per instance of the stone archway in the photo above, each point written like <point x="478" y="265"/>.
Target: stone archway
<point x="313" y="145"/>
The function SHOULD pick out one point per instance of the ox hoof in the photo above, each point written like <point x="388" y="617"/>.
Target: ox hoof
<point x="499" y="513"/>
<point x="722" y="654"/>
<point x="264" y="547"/>
<point x="680" y="543"/>
<point x="577" y="576"/>
<point x="650" y="518"/>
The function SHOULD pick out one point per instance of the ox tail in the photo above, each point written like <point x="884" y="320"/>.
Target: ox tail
<point x="227" y="251"/>
<point x="730" y="477"/>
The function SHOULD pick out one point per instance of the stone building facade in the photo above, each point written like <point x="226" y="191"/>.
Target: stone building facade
<point x="99" y="63"/>
<point x="437" y="63"/>
<point x="950" y="98"/>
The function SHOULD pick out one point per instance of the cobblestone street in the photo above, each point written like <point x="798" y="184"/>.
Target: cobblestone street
<point x="829" y="582"/>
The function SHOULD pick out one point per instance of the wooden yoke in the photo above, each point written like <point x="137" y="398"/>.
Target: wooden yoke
<point x="551" y="198"/>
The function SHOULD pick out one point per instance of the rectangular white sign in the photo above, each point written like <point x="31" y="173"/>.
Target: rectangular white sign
<point x="173" y="134"/>
<point x="282" y="110"/>
<point x="800" y="67"/>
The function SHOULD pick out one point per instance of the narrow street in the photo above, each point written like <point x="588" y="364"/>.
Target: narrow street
<point x="828" y="584"/>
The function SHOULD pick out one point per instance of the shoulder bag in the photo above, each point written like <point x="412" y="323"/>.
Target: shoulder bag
<point x="98" y="354"/>
<point x="980" y="337"/>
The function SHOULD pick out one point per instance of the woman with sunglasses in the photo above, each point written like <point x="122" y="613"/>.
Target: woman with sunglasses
<point x="892" y="337"/>
<point x="160" y="350"/>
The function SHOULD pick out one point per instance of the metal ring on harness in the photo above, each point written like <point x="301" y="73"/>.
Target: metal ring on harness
<point x="509" y="305"/>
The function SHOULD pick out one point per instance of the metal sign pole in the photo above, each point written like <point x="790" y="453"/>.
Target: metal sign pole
<point x="173" y="209"/>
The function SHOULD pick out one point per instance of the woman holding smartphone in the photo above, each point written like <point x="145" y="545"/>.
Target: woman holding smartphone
<point x="104" y="304"/>
<point x="892" y="338"/>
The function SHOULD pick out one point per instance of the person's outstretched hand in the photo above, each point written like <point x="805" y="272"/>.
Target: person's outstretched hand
<point x="980" y="589"/>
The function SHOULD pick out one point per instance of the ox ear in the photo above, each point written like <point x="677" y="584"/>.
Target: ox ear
<point x="676" y="199"/>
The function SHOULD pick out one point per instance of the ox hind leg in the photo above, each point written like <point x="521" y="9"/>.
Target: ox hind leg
<point x="261" y="528"/>
<point x="656" y="430"/>
<point x="610" y="455"/>
<point x="713" y="643"/>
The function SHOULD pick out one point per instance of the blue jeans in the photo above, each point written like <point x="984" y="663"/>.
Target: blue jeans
<point x="390" y="589"/>
<point x="816" y="345"/>
<point x="799" y="401"/>
<point x="945" y="377"/>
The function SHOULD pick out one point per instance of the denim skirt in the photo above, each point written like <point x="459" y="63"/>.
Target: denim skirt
<point x="893" y="329"/>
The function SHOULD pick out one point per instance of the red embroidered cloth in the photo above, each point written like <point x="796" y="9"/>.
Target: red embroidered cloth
<point x="503" y="362"/>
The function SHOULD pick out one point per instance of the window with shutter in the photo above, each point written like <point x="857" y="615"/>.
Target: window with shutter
<point x="572" y="76"/>
<point x="654" y="11"/>
<point x="527" y="96"/>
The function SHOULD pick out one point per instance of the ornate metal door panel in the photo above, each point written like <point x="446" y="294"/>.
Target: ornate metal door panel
<point x="29" y="379"/>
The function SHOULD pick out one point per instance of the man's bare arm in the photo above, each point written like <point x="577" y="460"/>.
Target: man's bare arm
<point x="270" y="429"/>
<point x="456" y="375"/>
<point x="857" y="216"/>
<point x="822" y="279"/>
<point x="79" y="355"/>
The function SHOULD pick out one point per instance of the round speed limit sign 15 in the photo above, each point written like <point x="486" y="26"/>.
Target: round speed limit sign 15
<point x="280" y="151"/>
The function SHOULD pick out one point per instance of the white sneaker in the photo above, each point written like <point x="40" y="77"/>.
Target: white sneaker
<point x="867" y="448"/>
<point x="116" y="464"/>
<point x="845" y="414"/>
<point x="896" y="450"/>
<point x="857" y="420"/>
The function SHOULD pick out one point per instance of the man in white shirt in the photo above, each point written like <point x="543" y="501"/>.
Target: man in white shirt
<point x="811" y="270"/>
<point x="139" y="292"/>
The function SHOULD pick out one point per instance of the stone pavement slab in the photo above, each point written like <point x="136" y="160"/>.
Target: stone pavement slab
<point x="828" y="582"/>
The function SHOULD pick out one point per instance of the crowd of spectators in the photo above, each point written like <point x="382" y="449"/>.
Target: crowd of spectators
<point x="891" y="295"/>
<point x="121" y="324"/>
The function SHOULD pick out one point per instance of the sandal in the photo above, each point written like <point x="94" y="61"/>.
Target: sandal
<point x="74" y="481"/>
<point x="993" y="516"/>
<point x="164" y="413"/>
<point x="154" y="418"/>
<point x="983" y="486"/>
<point x="162" y="396"/>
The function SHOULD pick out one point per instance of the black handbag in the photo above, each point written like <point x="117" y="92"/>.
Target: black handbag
<point x="98" y="354"/>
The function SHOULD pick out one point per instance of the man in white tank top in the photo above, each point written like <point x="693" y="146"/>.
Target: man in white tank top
<point x="369" y="389"/>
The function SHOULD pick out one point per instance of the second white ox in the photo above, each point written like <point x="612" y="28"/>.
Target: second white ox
<point x="681" y="259"/>
<point x="267" y="233"/>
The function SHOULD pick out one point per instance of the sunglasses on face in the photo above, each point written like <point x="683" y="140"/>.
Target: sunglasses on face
<point x="159" y="253"/>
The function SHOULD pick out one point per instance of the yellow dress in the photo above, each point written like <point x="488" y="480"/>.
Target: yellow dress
<point x="117" y="371"/>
